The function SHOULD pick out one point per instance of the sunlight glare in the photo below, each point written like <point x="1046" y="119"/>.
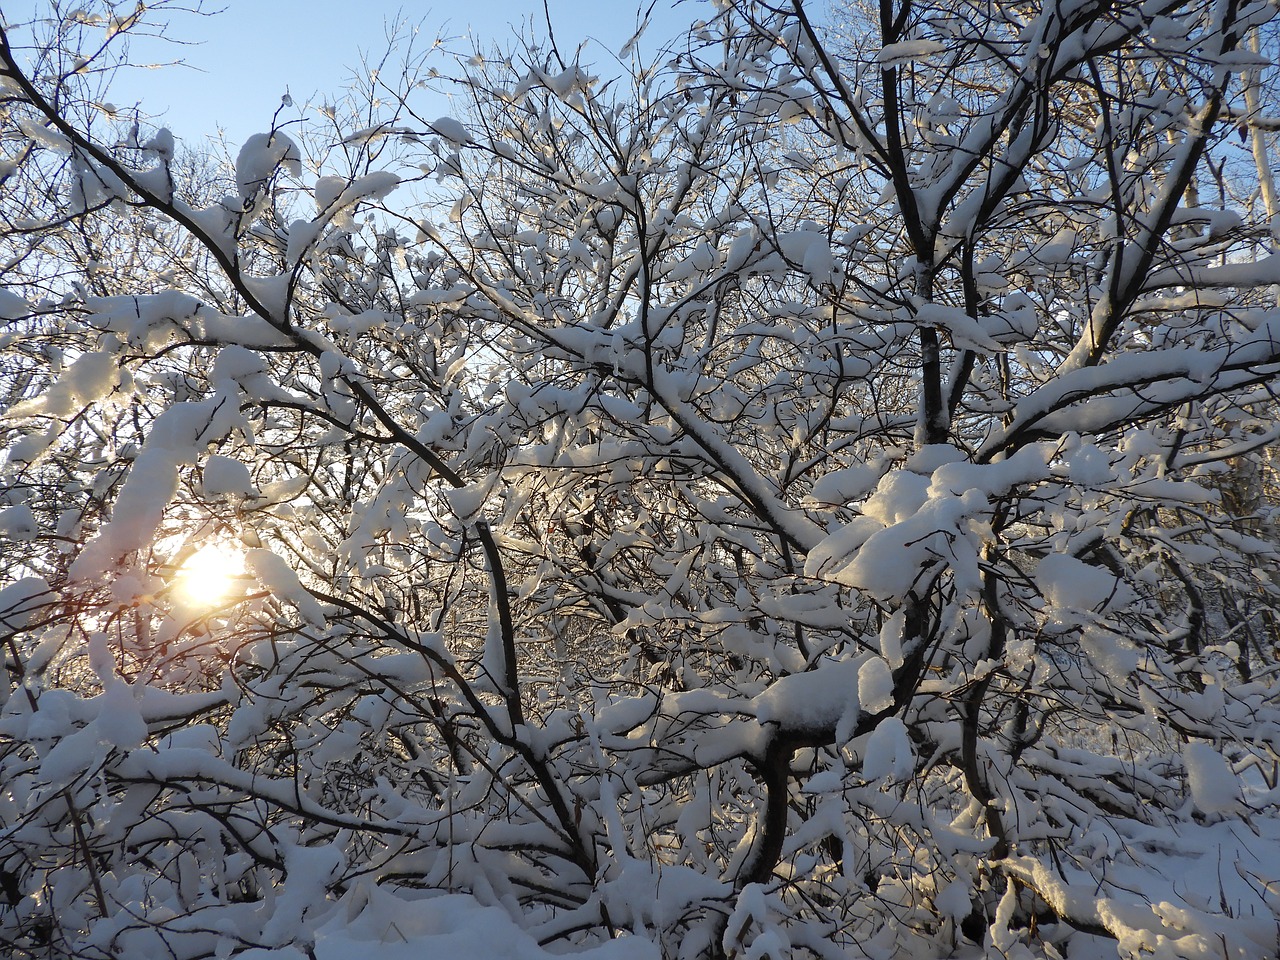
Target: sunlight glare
<point x="207" y="577"/>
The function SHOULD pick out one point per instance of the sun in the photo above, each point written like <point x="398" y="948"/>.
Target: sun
<point x="208" y="577"/>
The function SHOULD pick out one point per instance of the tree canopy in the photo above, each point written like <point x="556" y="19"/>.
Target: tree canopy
<point x="805" y="492"/>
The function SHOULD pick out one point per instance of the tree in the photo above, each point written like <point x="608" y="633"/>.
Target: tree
<point x="778" y="501"/>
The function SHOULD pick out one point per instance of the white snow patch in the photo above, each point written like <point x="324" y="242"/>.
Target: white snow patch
<point x="919" y="535"/>
<point x="308" y="871"/>
<point x="1214" y="787"/>
<point x="226" y="477"/>
<point x="954" y="901"/>
<point x="818" y="699"/>
<point x="899" y="495"/>
<point x="20" y="600"/>
<point x="905" y="51"/>
<point x="467" y="502"/>
<point x="119" y="720"/>
<point x="451" y="130"/>
<point x="13" y="307"/>
<point x="888" y="752"/>
<point x="373" y="922"/>
<point x="891" y="638"/>
<point x="259" y="158"/>
<point x="848" y="483"/>
<point x="966" y="333"/>
<point x="19" y="523"/>
<point x="90" y="378"/>
<point x="875" y="685"/>
<point x="138" y="510"/>
<point x="277" y="576"/>
<point x="1069" y="585"/>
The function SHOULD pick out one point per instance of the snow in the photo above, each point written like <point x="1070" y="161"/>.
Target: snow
<point x="625" y="714"/>
<point x="272" y="294"/>
<point x="958" y="477"/>
<point x="891" y="638"/>
<point x="12" y="306"/>
<point x="888" y="753"/>
<point x="29" y="448"/>
<point x="237" y="369"/>
<point x="138" y="510"/>
<point x="1089" y="465"/>
<point x="467" y="502"/>
<point x="749" y="927"/>
<point x="689" y="433"/>
<point x="260" y="157"/>
<point x="307" y="874"/>
<point x="822" y="698"/>
<point x="875" y="685"/>
<point x="810" y="250"/>
<point x="161" y="144"/>
<point x="906" y="51"/>
<point x="451" y="130"/>
<point x="178" y="437"/>
<point x="19" y="523"/>
<point x="152" y="320"/>
<point x="898" y="497"/>
<point x="1218" y="221"/>
<point x="954" y="901"/>
<point x="223" y="476"/>
<point x="43" y="134"/>
<point x="1166" y="887"/>
<point x="917" y="518"/>
<point x="1214" y="788"/>
<point x="493" y="659"/>
<point x="119" y="722"/>
<point x="372" y="186"/>
<point x="375" y="923"/>
<point x="327" y="190"/>
<point x="966" y="332"/>
<point x="816" y="609"/>
<point x="72" y="756"/>
<point x="647" y="899"/>
<point x="20" y="601"/>
<point x="90" y="378"/>
<point x="1072" y="586"/>
<point x="277" y="576"/>
<point x="890" y="562"/>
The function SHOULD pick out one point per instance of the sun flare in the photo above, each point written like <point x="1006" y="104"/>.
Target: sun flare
<point x="208" y="577"/>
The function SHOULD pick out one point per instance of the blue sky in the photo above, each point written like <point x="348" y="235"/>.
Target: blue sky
<point x="240" y="61"/>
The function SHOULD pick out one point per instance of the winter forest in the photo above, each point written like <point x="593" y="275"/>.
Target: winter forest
<point x="806" y="488"/>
